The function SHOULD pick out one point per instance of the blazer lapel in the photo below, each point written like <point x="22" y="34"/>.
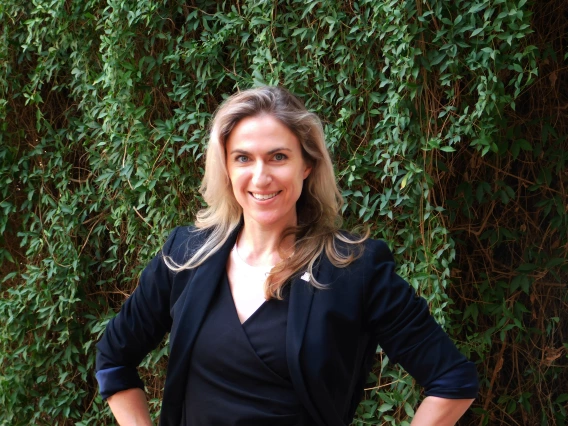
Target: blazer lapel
<point x="196" y="300"/>
<point x="301" y="297"/>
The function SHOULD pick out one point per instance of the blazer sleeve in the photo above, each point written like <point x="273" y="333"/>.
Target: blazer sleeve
<point x="409" y="335"/>
<point x="138" y="328"/>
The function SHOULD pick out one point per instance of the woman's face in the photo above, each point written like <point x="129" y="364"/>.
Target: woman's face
<point x="267" y="170"/>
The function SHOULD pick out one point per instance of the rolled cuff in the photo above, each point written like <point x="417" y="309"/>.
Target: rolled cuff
<point x="458" y="383"/>
<point x="116" y="379"/>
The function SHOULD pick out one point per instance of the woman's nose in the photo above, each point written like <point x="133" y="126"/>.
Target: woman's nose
<point x="261" y="176"/>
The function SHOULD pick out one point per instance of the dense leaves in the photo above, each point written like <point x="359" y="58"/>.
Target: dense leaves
<point x="447" y="122"/>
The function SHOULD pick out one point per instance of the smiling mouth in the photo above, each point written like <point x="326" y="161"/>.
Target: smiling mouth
<point x="263" y="197"/>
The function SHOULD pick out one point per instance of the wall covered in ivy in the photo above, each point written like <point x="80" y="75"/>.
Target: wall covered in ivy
<point x="447" y="121"/>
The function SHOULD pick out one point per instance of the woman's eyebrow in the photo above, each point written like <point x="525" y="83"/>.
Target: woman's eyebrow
<point x="272" y="151"/>
<point x="275" y="150"/>
<point x="239" y="151"/>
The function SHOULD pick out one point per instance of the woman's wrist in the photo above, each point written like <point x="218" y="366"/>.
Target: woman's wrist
<point x="440" y="411"/>
<point x="130" y="408"/>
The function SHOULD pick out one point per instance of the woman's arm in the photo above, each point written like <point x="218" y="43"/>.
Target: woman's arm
<point x="143" y="321"/>
<point x="411" y="337"/>
<point x="130" y="408"/>
<point x="436" y="411"/>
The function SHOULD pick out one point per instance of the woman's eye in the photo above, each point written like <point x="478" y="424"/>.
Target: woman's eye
<point x="279" y="157"/>
<point x="242" y="159"/>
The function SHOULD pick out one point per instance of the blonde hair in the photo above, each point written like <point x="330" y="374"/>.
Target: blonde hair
<point x="319" y="204"/>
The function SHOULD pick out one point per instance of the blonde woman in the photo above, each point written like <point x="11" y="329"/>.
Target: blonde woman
<point x="274" y="313"/>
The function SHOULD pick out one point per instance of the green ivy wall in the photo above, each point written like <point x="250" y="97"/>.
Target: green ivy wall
<point x="446" y="121"/>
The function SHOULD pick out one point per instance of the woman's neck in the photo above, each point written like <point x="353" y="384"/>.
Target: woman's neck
<point x="261" y="247"/>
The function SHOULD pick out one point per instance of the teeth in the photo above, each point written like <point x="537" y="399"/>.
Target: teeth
<point x="263" y="196"/>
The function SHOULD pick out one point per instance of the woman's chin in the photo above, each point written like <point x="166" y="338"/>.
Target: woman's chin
<point x="271" y="220"/>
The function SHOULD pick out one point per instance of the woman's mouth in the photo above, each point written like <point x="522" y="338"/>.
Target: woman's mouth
<point x="262" y="197"/>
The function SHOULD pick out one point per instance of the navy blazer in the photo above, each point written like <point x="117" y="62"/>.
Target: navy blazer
<point x="332" y="334"/>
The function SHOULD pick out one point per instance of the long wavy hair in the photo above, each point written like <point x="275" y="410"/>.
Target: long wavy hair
<point x="319" y="205"/>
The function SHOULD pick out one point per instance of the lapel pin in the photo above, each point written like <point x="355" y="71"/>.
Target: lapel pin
<point x="306" y="276"/>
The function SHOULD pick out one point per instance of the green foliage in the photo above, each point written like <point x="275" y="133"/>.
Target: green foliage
<point x="104" y="113"/>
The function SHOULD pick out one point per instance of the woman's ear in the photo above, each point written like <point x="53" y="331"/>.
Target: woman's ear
<point x="307" y="169"/>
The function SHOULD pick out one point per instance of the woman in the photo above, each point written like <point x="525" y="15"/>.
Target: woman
<point x="274" y="313"/>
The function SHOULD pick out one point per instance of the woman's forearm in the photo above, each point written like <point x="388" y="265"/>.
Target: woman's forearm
<point x="130" y="408"/>
<point x="440" y="411"/>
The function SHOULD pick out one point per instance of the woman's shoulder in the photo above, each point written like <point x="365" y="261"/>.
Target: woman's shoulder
<point x="379" y="249"/>
<point x="369" y="249"/>
<point x="360" y="276"/>
<point x="185" y="239"/>
<point x="188" y="232"/>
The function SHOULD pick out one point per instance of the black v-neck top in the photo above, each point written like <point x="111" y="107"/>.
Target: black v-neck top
<point x="238" y="373"/>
